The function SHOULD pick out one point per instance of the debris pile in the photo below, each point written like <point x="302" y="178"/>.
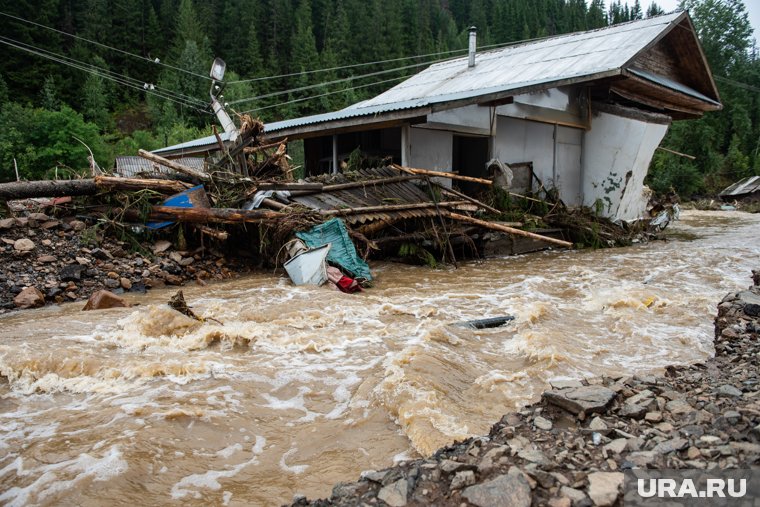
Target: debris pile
<point x="571" y="448"/>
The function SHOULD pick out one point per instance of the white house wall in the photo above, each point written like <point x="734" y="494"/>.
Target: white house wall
<point x="472" y="119"/>
<point x="431" y="149"/>
<point x="617" y="155"/>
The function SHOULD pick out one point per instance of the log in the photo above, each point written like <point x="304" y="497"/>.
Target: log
<point x="167" y="187"/>
<point x="509" y="230"/>
<point x="393" y="207"/>
<point x="439" y="174"/>
<point x="171" y="164"/>
<point x="214" y="233"/>
<point x="256" y="149"/>
<point x="46" y="188"/>
<point x="212" y="215"/>
<point x="468" y="198"/>
<point x="311" y="187"/>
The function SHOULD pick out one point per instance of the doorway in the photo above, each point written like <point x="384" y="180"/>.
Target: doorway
<point x="470" y="155"/>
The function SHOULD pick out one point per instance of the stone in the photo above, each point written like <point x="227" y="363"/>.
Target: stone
<point x="47" y="258"/>
<point x="638" y="398"/>
<point x="586" y="399"/>
<point x="577" y="496"/>
<point x="103" y="300"/>
<point x="642" y="458"/>
<point x="176" y="257"/>
<point x="30" y="297"/>
<point x="542" y="423"/>
<point x="636" y="411"/>
<point x="394" y="494"/>
<point x="186" y="261"/>
<point x="71" y="273"/>
<point x="50" y="224"/>
<point x="617" y="446"/>
<point x="598" y="424"/>
<point x="678" y="407"/>
<point x="449" y="466"/>
<point x="728" y="391"/>
<point x="709" y="439"/>
<point x="77" y="225"/>
<point x="7" y="223"/>
<point x="745" y="447"/>
<point x="101" y="254"/>
<point x="564" y="384"/>
<point x="693" y="453"/>
<point x="653" y="417"/>
<point x="604" y="487"/>
<point x="113" y="275"/>
<point x="39" y="217"/>
<point x="672" y="445"/>
<point x="732" y="416"/>
<point x="462" y="479"/>
<point x="125" y="283"/>
<point x="512" y="490"/>
<point x="161" y="246"/>
<point x="374" y="476"/>
<point x="111" y="283"/>
<point x="23" y="245"/>
<point x="560" y="502"/>
<point x="534" y="456"/>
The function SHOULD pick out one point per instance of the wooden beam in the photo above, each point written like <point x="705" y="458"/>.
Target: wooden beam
<point x="212" y="215"/>
<point x="133" y="184"/>
<point x="46" y="188"/>
<point x="468" y="198"/>
<point x="189" y="171"/>
<point x="389" y="208"/>
<point x="438" y="174"/>
<point x="674" y="152"/>
<point x="509" y="230"/>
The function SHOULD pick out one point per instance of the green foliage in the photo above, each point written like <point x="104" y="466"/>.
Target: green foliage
<point x="49" y="98"/>
<point x="417" y="254"/>
<point x="42" y="141"/>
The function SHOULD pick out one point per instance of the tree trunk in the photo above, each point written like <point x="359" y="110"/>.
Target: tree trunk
<point x="509" y="230"/>
<point x="212" y="215"/>
<point x="134" y="184"/>
<point x="46" y="188"/>
<point x="189" y="171"/>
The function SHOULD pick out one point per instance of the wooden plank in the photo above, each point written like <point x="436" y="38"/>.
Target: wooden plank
<point x="438" y="174"/>
<point x="189" y="171"/>
<point x="390" y="208"/>
<point x="509" y="230"/>
<point x="212" y="215"/>
<point x="468" y="198"/>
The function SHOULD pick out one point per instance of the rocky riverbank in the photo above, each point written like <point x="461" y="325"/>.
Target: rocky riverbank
<point x="570" y="449"/>
<point x="45" y="259"/>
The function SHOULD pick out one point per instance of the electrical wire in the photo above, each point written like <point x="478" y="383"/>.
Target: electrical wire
<point x="107" y="74"/>
<point x="115" y="75"/>
<point x="122" y="82"/>
<point x="326" y="94"/>
<point x="738" y="84"/>
<point x="145" y="58"/>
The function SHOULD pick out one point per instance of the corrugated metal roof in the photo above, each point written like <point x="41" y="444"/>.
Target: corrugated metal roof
<point x="746" y="186"/>
<point x="404" y="192"/>
<point x="589" y="55"/>
<point x="564" y="57"/>
<point x="194" y="145"/>
<point x="673" y="85"/>
<point x="132" y="167"/>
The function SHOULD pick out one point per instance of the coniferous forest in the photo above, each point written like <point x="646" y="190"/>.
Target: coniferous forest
<point x="118" y="75"/>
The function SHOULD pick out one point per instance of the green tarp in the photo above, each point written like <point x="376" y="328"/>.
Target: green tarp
<point x="342" y="251"/>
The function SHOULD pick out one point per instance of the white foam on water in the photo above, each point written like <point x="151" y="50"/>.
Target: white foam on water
<point x="192" y="484"/>
<point x="293" y="469"/>
<point x="56" y="479"/>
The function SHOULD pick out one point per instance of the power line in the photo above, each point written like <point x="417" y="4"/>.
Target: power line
<point x="105" y="73"/>
<point x="738" y="84"/>
<point x="123" y="82"/>
<point x="116" y="77"/>
<point x="156" y="61"/>
<point x="325" y="94"/>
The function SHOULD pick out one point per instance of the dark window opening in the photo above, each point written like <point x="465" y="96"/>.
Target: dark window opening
<point x="470" y="155"/>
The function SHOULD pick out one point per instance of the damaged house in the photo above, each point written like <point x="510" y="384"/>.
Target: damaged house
<point x="580" y="113"/>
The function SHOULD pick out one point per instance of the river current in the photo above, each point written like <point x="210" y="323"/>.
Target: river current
<point x="303" y="387"/>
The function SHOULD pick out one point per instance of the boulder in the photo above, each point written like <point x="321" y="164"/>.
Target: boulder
<point x="103" y="300"/>
<point x="71" y="273"/>
<point x="30" y="297"/>
<point x="585" y="399"/>
<point x="161" y="246"/>
<point x="512" y="490"/>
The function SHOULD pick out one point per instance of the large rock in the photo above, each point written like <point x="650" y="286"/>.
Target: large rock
<point x="103" y="300"/>
<point x="394" y="494"/>
<point x="585" y="399"/>
<point x="30" y="297"/>
<point x="23" y="245"/>
<point x="512" y="490"/>
<point x="604" y="487"/>
<point x="71" y="273"/>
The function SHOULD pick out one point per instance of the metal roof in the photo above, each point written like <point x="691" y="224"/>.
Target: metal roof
<point x="746" y="186"/>
<point x="543" y="63"/>
<point x="131" y="167"/>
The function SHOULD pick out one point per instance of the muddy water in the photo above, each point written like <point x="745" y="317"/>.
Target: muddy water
<point x="304" y="387"/>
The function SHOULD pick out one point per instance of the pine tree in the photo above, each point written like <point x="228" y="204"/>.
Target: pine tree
<point x="596" y="16"/>
<point x="49" y="97"/>
<point x="654" y="10"/>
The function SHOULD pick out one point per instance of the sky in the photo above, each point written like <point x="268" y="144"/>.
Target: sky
<point x="752" y="7"/>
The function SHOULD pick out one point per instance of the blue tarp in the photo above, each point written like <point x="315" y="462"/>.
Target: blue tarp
<point x="342" y="251"/>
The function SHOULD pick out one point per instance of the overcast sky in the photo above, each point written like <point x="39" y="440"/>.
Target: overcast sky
<point x="752" y="6"/>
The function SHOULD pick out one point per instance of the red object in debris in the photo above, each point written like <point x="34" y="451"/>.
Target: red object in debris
<point x="349" y="285"/>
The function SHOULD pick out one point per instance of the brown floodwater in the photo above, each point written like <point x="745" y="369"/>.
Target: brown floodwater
<point x="302" y="387"/>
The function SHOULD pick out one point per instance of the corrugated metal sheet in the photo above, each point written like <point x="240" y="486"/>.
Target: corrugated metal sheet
<point x="673" y="85"/>
<point x="133" y="167"/>
<point x="580" y="55"/>
<point x="404" y="192"/>
<point x="746" y="186"/>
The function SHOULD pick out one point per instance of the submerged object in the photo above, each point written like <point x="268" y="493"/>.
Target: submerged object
<point x="194" y="197"/>
<point x="486" y="323"/>
<point x="309" y="267"/>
